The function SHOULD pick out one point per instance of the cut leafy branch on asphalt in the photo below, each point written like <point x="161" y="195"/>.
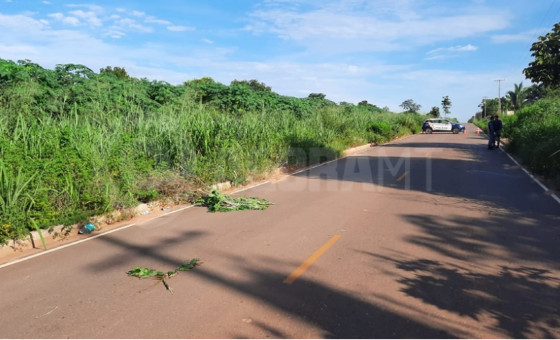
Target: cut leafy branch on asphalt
<point x="147" y="273"/>
<point x="216" y="201"/>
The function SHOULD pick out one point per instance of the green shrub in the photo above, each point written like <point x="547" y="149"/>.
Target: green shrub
<point x="75" y="143"/>
<point x="535" y="137"/>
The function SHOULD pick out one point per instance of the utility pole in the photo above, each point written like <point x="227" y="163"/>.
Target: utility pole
<point x="484" y="100"/>
<point x="499" y="96"/>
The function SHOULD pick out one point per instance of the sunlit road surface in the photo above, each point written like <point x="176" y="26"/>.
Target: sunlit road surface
<point x="430" y="236"/>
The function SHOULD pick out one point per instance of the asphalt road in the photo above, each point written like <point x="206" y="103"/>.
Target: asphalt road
<point x="430" y="236"/>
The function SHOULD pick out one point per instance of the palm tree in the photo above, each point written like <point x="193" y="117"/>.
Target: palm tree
<point x="517" y="96"/>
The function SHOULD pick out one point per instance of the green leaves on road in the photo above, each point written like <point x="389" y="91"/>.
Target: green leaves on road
<point x="147" y="273"/>
<point x="216" y="201"/>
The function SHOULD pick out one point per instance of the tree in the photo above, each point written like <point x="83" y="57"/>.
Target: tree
<point x="71" y="74"/>
<point x="488" y="107"/>
<point x="162" y="92"/>
<point x="205" y="89"/>
<point x="254" y="84"/>
<point x="317" y="96"/>
<point x="116" y="71"/>
<point x="434" y="112"/>
<point x="517" y="96"/>
<point x="534" y="93"/>
<point x="410" y="106"/>
<point x="369" y="105"/>
<point x="446" y="104"/>
<point x="545" y="69"/>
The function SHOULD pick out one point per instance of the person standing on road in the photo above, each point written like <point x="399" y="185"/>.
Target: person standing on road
<point x="497" y="130"/>
<point x="491" y="133"/>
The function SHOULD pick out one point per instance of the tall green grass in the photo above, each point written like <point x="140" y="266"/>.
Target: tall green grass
<point x="62" y="162"/>
<point x="534" y="137"/>
<point x="15" y="202"/>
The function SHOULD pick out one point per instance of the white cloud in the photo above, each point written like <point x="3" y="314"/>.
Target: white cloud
<point x="154" y="20"/>
<point x="129" y="24"/>
<point x="71" y="21"/>
<point x="370" y="26"/>
<point x="18" y="50"/>
<point x="180" y="28"/>
<point x="115" y="25"/>
<point x="57" y="16"/>
<point x="447" y="52"/>
<point x="90" y="17"/>
<point x="67" y="20"/>
<point x="523" y="37"/>
<point x="91" y="8"/>
<point x="467" y="48"/>
<point x="115" y="34"/>
<point x="77" y="17"/>
<point x="19" y="22"/>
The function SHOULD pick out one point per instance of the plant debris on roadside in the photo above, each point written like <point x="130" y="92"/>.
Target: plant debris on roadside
<point x="216" y="201"/>
<point x="147" y="273"/>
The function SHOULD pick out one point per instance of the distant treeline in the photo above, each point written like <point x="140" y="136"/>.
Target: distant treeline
<point x="75" y="143"/>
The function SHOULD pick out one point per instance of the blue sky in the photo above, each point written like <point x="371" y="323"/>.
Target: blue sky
<point x="384" y="51"/>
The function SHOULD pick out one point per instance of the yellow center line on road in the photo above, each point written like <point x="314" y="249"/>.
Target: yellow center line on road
<point x="307" y="263"/>
<point x="402" y="177"/>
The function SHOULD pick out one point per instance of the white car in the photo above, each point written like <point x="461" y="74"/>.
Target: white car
<point x="441" y="125"/>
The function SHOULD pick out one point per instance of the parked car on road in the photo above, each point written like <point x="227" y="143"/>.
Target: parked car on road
<point x="441" y="125"/>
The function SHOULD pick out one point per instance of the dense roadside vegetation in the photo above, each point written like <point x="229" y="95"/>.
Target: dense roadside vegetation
<point x="75" y="143"/>
<point x="534" y="136"/>
<point x="534" y="128"/>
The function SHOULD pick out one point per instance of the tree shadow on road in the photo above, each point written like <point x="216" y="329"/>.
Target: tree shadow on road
<point x="522" y="301"/>
<point x="336" y="313"/>
<point x="503" y="267"/>
<point x="488" y="177"/>
<point x="506" y="236"/>
<point x="126" y="250"/>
